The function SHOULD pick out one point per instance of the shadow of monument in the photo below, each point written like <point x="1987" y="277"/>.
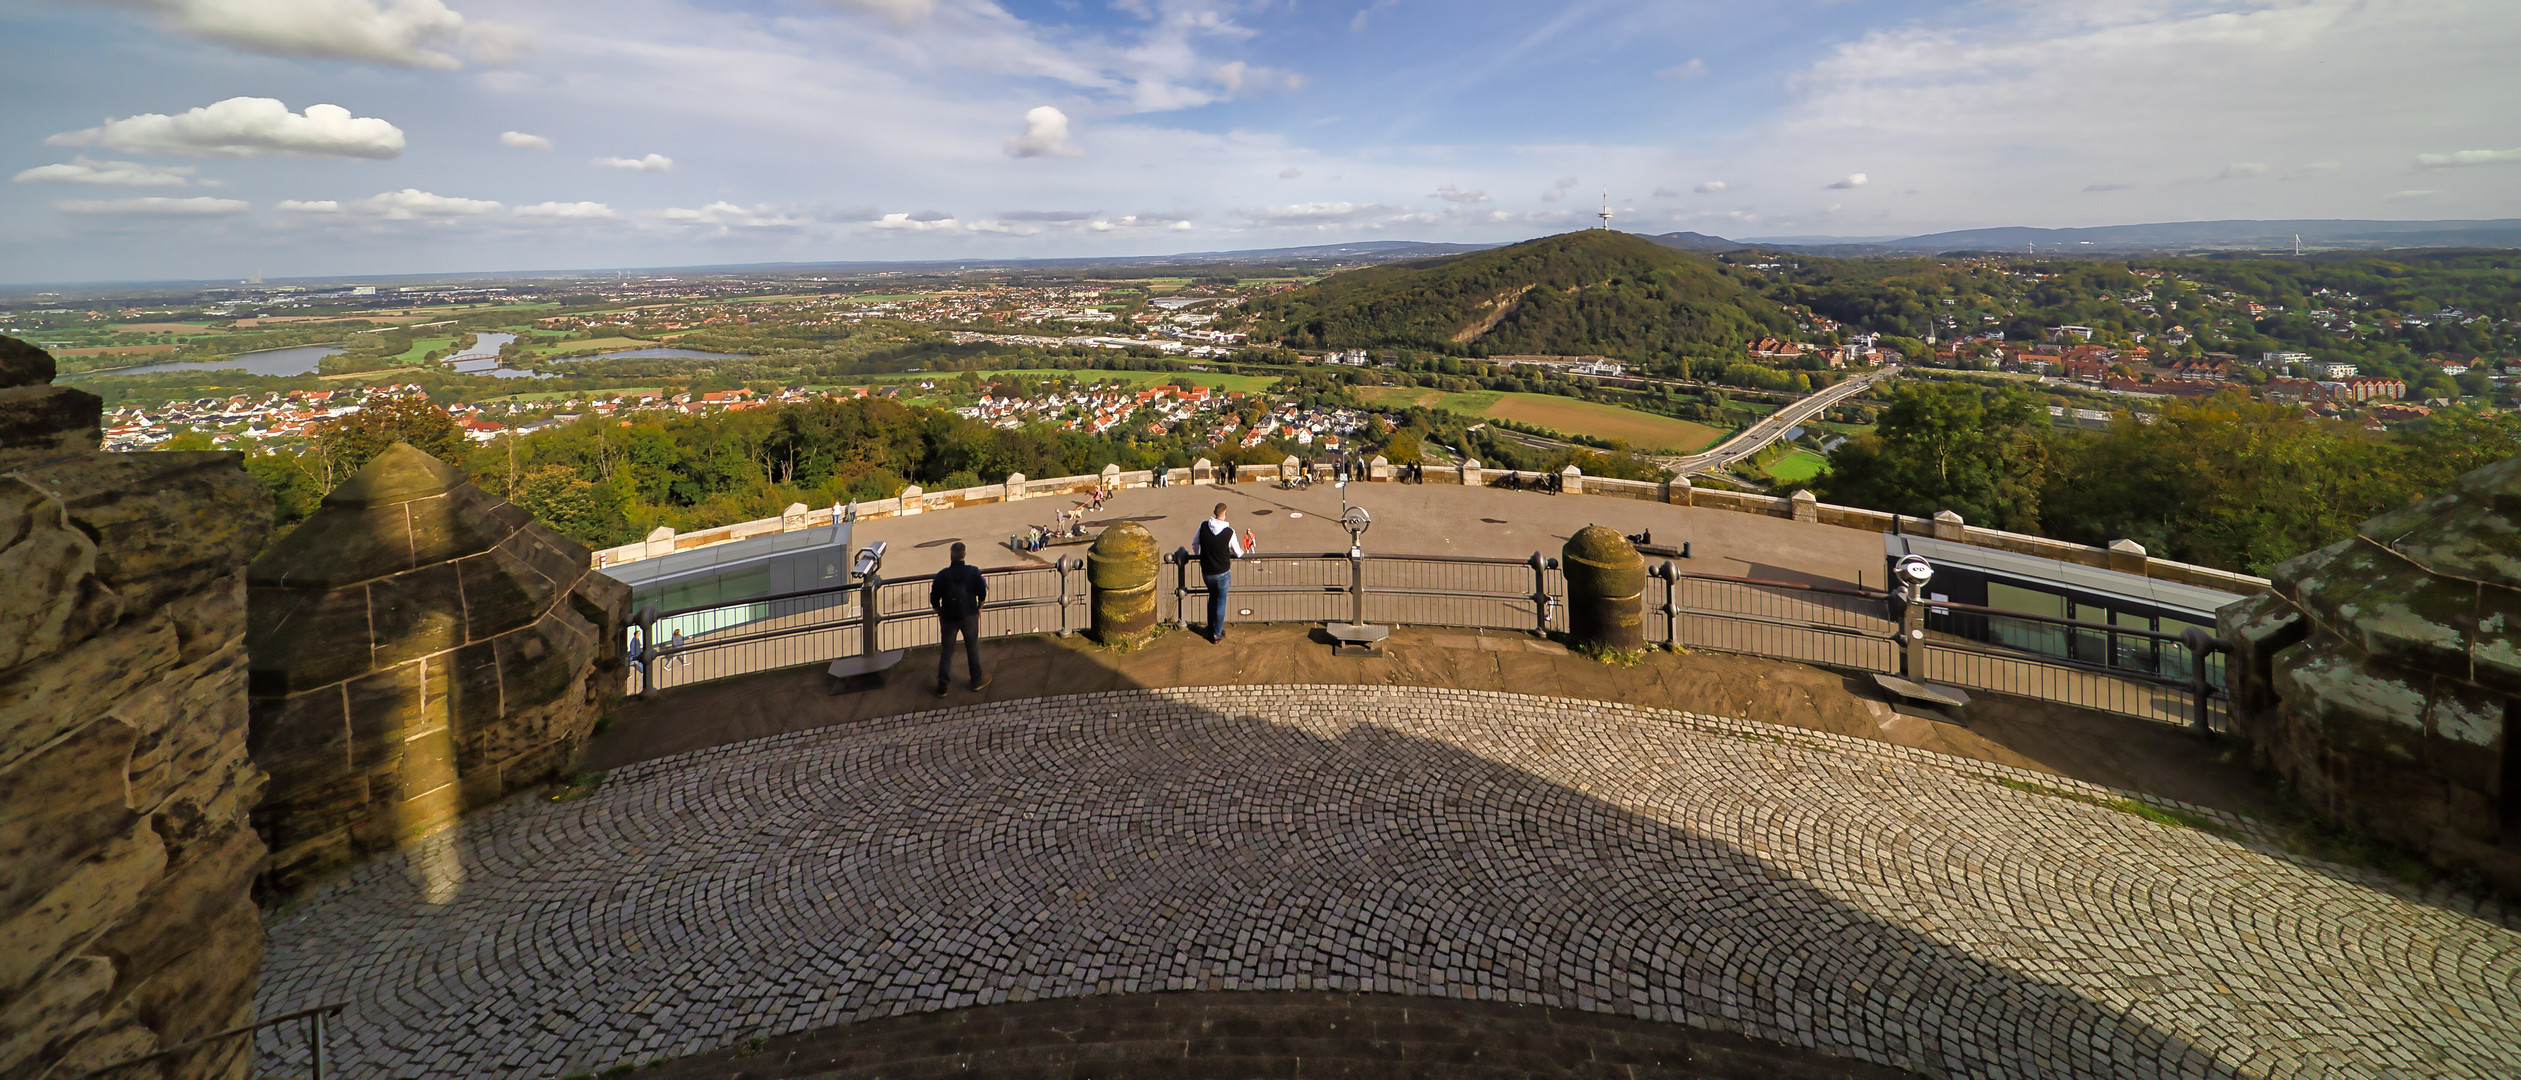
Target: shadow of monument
<point x="1129" y="843"/>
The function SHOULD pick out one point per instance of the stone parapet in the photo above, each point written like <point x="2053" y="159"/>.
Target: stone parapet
<point x="420" y="648"/>
<point x="126" y="907"/>
<point x="2379" y="675"/>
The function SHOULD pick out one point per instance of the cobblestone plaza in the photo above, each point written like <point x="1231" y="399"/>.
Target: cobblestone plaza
<point x="1866" y="900"/>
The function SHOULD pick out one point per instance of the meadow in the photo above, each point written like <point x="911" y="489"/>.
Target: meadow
<point x="1641" y="430"/>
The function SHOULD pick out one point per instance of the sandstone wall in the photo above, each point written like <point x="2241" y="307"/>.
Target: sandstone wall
<point x="126" y="923"/>
<point x="2379" y="675"/>
<point x="420" y="648"/>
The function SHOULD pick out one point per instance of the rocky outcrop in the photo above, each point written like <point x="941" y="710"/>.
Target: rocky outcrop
<point x="126" y="919"/>
<point x="420" y="648"/>
<point x="2379" y="676"/>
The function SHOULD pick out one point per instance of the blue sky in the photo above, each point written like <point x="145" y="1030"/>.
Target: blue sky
<point x="178" y="139"/>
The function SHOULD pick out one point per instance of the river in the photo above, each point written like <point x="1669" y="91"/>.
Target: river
<point x="298" y="360"/>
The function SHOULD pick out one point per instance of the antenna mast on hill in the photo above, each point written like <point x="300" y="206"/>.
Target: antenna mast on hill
<point x="1606" y="209"/>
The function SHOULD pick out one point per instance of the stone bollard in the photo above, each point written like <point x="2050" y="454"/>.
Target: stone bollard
<point x="792" y="519"/>
<point x="660" y="541"/>
<point x="1121" y="567"/>
<point x="1948" y="525"/>
<point x="1289" y="469"/>
<point x="1806" y="506"/>
<point x="2127" y="557"/>
<point x="1111" y="477"/>
<point x="1015" y="486"/>
<point x="1676" y="491"/>
<point x="1471" y="476"/>
<point x="914" y="499"/>
<point x="1379" y="470"/>
<point x="1202" y="473"/>
<point x="1571" y="480"/>
<point x="1606" y="589"/>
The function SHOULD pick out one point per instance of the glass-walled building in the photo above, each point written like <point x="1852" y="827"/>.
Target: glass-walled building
<point x="729" y="573"/>
<point x="2086" y="603"/>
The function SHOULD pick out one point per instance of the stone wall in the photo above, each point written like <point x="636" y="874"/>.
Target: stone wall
<point x="420" y="648"/>
<point x="2379" y="675"/>
<point x="126" y="919"/>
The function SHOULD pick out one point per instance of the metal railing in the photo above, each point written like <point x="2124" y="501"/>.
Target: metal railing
<point x="817" y="626"/>
<point x="315" y="1041"/>
<point x="2172" y="678"/>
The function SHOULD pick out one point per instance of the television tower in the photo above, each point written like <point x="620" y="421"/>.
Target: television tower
<point x="1606" y="209"/>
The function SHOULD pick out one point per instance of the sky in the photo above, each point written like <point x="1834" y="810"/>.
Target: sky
<point x="159" y="140"/>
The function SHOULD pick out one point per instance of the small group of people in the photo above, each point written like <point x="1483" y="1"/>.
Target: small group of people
<point x="1233" y="471"/>
<point x="958" y="592"/>
<point x="668" y="655"/>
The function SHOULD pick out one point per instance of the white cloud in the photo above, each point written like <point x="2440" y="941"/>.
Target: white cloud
<point x="572" y="211"/>
<point x="725" y="216"/>
<point x="650" y="163"/>
<point x="1290" y="173"/>
<point x="245" y="127"/>
<point x="2107" y="185"/>
<point x="2412" y="195"/>
<point x="81" y="170"/>
<point x="1850" y="181"/>
<point x="1237" y="76"/>
<point x="2242" y="170"/>
<point x="155" y="206"/>
<point x="924" y="221"/>
<point x="1558" y="190"/>
<point x="1319" y="213"/>
<point x="901" y="13"/>
<point x="1711" y="187"/>
<point x="309" y="206"/>
<point x="522" y="141"/>
<point x="1357" y="22"/>
<point x="1047" y="215"/>
<point x="1045" y="135"/>
<point x="2311" y="171"/>
<point x="401" y="33"/>
<point x="1450" y="193"/>
<point x="1695" y="68"/>
<point x="2458" y="158"/>
<point x="412" y="204"/>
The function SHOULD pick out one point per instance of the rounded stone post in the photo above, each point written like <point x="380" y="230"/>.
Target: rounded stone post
<point x="1606" y="590"/>
<point x="1288" y="469"/>
<point x="1121" y="567"/>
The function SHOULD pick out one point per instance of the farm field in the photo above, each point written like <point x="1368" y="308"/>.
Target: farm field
<point x="420" y="347"/>
<point x="605" y="344"/>
<point x="1643" y="430"/>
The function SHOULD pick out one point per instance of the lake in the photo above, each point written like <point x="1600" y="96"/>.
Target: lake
<point x="300" y="360"/>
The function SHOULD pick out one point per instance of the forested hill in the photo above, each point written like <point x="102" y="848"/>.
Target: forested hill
<point x="1595" y="292"/>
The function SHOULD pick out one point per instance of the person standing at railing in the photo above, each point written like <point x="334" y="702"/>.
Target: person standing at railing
<point x="956" y="594"/>
<point x="674" y="649"/>
<point x="1218" y="547"/>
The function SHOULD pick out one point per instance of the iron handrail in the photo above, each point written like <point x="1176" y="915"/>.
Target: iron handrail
<point x="316" y="1014"/>
<point x="2053" y="620"/>
<point x="839" y="590"/>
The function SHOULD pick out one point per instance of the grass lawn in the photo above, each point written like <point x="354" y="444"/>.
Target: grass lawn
<point x="1799" y="465"/>
<point x="420" y="347"/>
<point x="1643" y="430"/>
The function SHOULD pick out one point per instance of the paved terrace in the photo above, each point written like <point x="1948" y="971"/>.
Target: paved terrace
<point x="1409" y="519"/>
<point x="765" y="860"/>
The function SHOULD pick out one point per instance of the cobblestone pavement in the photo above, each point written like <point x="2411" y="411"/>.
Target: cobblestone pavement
<point x="1870" y="901"/>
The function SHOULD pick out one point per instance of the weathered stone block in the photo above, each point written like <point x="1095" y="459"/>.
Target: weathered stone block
<point x="22" y="364"/>
<point x="60" y="804"/>
<point x="38" y="423"/>
<point x="40" y="702"/>
<point x="97" y="892"/>
<point x="62" y="1009"/>
<point x="50" y="596"/>
<point x="416" y="614"/>
<point x="167" y="524"/>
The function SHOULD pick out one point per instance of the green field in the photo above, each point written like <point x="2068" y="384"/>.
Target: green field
<point x="1797" y="466"/>
<point x="420" y="347"/>
<point x="1643" y="430"/>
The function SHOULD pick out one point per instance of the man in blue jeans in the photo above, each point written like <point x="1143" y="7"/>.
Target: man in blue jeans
<point x="1218" y="547"/>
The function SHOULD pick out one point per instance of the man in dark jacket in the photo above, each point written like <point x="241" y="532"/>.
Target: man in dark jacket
<point x="1217" y="547"/>
<point x="956" y="594"/>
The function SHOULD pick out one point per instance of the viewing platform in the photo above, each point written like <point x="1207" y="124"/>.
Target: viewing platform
<point x="1125" y="860"/>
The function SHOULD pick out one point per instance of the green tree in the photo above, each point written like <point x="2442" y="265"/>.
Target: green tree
<point x="346" y="445"/>
<point x="1981" y="453"/>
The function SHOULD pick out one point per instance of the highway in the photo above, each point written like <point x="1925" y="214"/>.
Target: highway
<point x="1758" y="436"/>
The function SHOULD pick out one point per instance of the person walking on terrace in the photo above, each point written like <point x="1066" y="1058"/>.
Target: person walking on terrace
<point x="1217" y="547"/>
<point x="956" y="594"/>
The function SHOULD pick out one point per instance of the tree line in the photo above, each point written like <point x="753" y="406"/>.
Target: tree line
<point x="2225" y="482"/>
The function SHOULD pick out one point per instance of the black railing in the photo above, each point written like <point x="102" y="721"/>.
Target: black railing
<point x="316" y="1047"/>
<point x="2174" y="678"/>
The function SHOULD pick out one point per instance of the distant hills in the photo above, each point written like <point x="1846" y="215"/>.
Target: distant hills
<point x="1608" y="293"/>
<point x="2176" y="236"/>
